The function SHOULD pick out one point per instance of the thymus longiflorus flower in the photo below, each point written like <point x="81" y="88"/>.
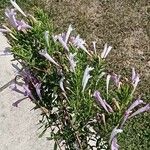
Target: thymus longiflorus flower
<point x="62" y="41"/>
<point x="128" y="112"/>
<point x="46" y="36"/>
<point x="135" y="79"/>
<point x="106" y="51"/>
<point x="102" y="102"/>
<point x="114" y="133"/>
<point x="61" y="84"/>
<point x="70" y="29"/>
<point x="19" y="25"/>
<point x="72" y="61"/>
<point x="140" y="110"/>
<point x="80" y="43"/>
<point x="116" y="79"/>
<point x="13" y="2"/>
<point x="48" y="57"/>
<point x="94" y="47"/>
<point x="107" y="82"/>
<point x="114" y="144"/>
<point x="86" y="77"/>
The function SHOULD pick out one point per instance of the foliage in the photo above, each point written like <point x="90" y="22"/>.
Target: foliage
<point x="73" y="112"/>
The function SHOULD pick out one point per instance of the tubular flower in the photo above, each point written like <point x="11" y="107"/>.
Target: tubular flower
<point x="28" y="92"/>
<point x="48" y="57"/>
<point x="102" y="102"/>
<point x="70" y="29"/>
<point x="129" y="110"/>
<point x="116" y="79"/>
<point x="72" y="61"/>
<point x="135" y="79"/>
<point x="13" y="2"/>
<point x="105" y="51"/>
<point x="61" y="84"/>
<point x="114" y="144"/>
<point x="19" y="25"/>
<point x="114" y="132"/>
<point x="46" y="36"/>
<point x="140" y="110"/>
<point x="79" y="43"/>
<point x="86" y="77"/>
<point x="107" y="82"/>
<point x="94" y="46"/>
<point x="62" y="41"/>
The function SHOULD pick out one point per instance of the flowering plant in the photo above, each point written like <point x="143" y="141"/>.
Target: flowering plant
<point x="84" y="105"/>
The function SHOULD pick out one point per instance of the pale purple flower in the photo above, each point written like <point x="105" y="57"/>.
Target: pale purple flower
<point x="13" y="2"/>
<point x="116" y="79"/>
<point x="106" y="51"/>
<point x="10" y="14"/>
<point x="46" y="36"/>
<point x="107" y="82"/>
<point x="129" y="110"/>
<point x="114" y="132"/>
<point x="86" y="77"/>
<point x="94" y="46"/>
<point x="48" y="57"/>
<point x="114" y="144"/>
<point x="108" y="106"/>
<point x="21" y="25"/>
<point x="135" y="79"/>
<point x="61" y="84"/>
<point x="140" y="110"/>
<point x="79" y="43"/>
<point x="62" y="41"/>
<point x="99" y="100"/>
<point x="72" y="61"/>
<point x="70" y="29"/>
<point x="3" y="30"/>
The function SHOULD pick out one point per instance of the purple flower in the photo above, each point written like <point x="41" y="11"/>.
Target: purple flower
<point x="129" y="114"/>
<point x="94" y="46"/>
<point x="135" y="79"/>
<point x="102" y="102"/>
<point x="140" y="110"/>
<point x="107" y="82"/>
<point x="48" y="57"/>
<point x="70" y="29"/>
<point x="105" y="51"/>
<point x="28" y="92"/>
<point x="86" y="77"/>
<point x="114" y="132"/>
<point x="72" y="61"/>
<point x="17" y="7"/>
<point x="19" y="25"/>
<point x="114" y="144"/>
<point x="61" y="84"/>
<point x="116" y="79"/>
<point x="46" y="35"/>
<point x="80" y="43"/>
